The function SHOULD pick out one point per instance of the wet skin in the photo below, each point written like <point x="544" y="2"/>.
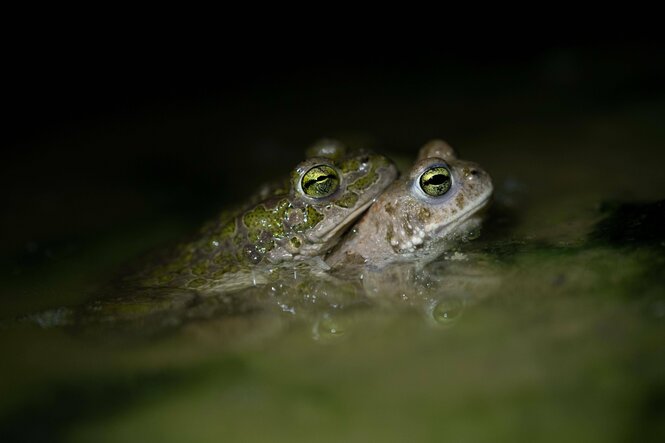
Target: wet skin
<point x="301" y="219"/>
<point x="420" y="215"/>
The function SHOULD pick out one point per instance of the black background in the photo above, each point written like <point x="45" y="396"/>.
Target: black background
<point x="105" y="130"/>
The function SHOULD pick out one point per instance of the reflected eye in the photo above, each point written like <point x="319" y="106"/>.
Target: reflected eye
<point x="320" y="181"/>
<point x="435" y="181"/>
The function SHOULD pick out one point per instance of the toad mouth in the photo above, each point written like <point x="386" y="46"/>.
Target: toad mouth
<point x="475" y="212"/>
<point x="341" y="228"/>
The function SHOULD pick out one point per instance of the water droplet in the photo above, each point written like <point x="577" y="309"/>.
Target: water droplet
<point x="329" y="328"/>
<point x="447" y="310"/>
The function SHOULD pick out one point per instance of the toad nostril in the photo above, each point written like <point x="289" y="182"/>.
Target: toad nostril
<point x="474" y="172"/>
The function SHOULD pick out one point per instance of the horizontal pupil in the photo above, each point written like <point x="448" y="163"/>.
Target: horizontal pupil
<point x="438" y="179"/>
<point x="317" y="180"/>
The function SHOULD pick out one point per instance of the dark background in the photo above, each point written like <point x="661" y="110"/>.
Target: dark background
<point x="102" y="135"/>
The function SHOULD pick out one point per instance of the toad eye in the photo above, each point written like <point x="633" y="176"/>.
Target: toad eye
<point x="320" y="181"/>
<point x="435" y="181"/>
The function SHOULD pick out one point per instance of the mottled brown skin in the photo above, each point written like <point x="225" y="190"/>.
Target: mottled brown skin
<point x="407" y="225"/>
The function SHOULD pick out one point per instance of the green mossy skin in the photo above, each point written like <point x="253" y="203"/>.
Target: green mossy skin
<point x="266" y="226"/>
<point x="348" y="200"/>
<point x="312" y="218"/>
<point x="262" y="220"/>
<point x="274" y="224"/>
<point x="365" y="181"/>
<point x="350" y="165"/>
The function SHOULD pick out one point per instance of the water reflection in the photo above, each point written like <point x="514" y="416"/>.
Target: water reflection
<point x="331" y="326"/>
<point x="333" y="303"/>
<point x="447" y="311"/>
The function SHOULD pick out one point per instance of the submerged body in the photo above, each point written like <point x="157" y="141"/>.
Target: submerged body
<point x="420" y="215"/>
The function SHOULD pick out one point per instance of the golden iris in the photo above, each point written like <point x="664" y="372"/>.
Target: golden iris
<point x="436" y="181"/>
<point x="320" y="181"/>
